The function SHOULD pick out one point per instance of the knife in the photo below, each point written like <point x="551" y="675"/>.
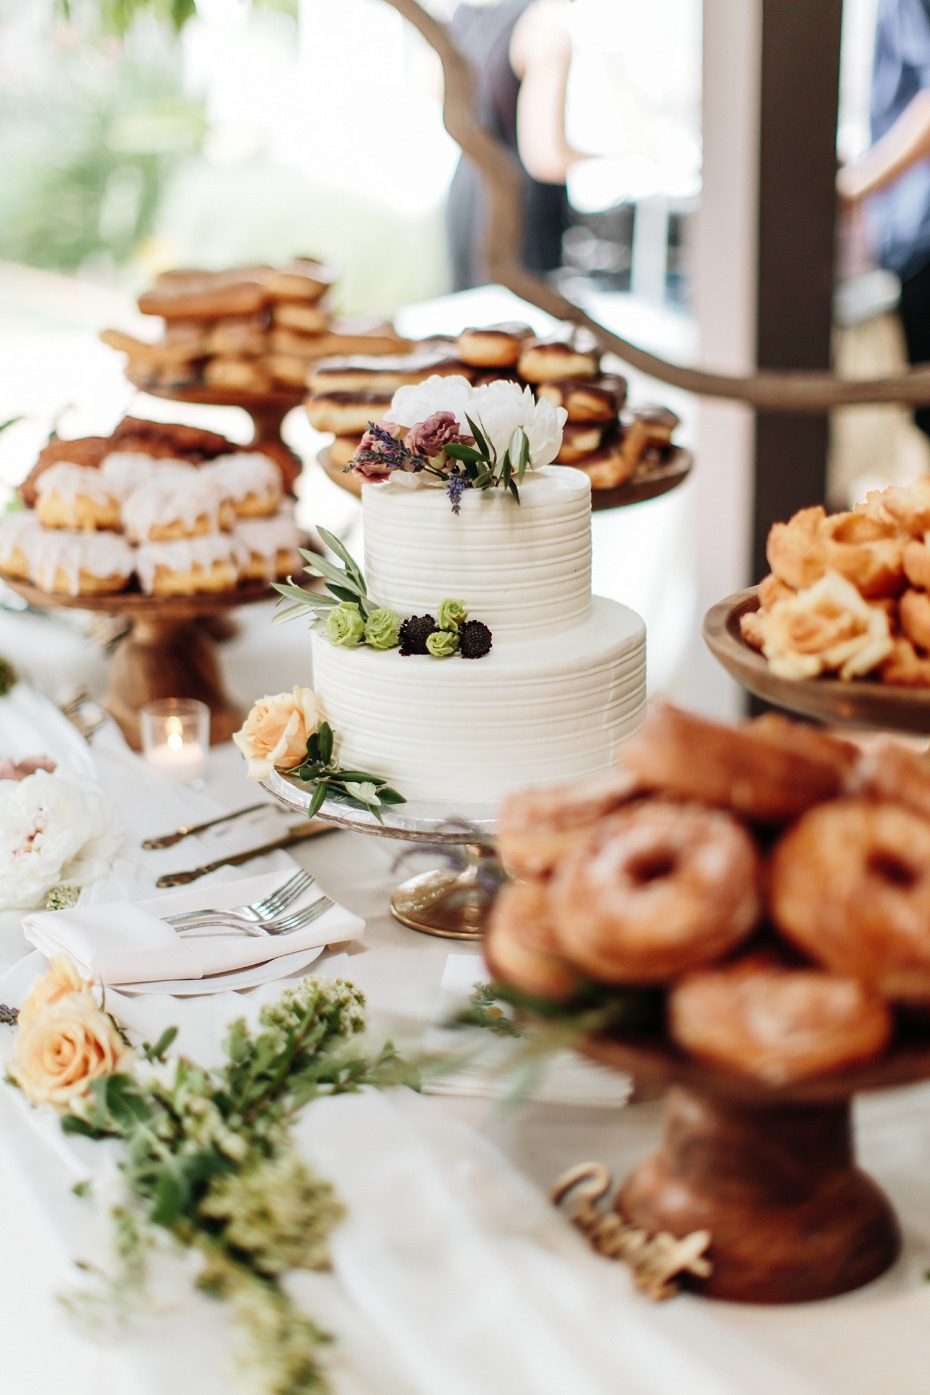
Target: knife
<point x="299" y="834"/>
<point x="168" y="840"/>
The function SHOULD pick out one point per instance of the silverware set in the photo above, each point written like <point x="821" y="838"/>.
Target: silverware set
<point x="263" y="917"/>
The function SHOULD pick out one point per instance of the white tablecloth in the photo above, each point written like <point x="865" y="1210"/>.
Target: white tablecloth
<point x="876" y="1339"/>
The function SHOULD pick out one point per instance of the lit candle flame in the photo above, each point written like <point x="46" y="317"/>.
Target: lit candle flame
<point x="174" y="729"/>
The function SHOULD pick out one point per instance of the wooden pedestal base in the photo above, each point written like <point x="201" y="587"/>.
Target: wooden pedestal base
<point x="791" y="1217"/>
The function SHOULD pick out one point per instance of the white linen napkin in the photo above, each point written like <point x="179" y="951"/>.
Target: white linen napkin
<point x="128" y="942"/>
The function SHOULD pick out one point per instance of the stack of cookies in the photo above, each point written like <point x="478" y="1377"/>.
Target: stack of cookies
<point x="174" y="509"/>
<point x="248" y="330"/>
<point x="610" y="442"/>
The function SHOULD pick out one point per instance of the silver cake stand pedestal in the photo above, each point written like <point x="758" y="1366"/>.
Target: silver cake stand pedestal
<point x="451" y="901"/>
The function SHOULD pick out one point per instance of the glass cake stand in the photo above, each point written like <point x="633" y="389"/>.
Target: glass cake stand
<point x="450" y="901"/>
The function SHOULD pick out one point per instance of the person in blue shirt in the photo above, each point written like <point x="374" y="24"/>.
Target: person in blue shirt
<point x="892" y="179"/>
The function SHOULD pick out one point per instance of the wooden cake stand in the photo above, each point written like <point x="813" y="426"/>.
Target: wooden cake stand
<point x="647" y="484"/>
<point x="267" y="410"/>
<point x="859" y="702"/>
<point x="769" y="1171"/>
<point x="165" y="653"/>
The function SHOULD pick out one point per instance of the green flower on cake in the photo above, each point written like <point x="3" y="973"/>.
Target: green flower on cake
<point x="442" y="643"/>
<point x="345" y="625"/>
<point x="381" y="629"/>
<point x="450" y="615"/>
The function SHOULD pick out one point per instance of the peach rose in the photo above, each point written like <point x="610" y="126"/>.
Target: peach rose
<point x="63" y="1048"/>
<point x="275" y="733"/>
<point x="828" y="628"/>
<point x="56" y="983"/>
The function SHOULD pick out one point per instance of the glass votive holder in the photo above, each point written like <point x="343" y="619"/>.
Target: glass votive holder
<point x="176" y="738"/>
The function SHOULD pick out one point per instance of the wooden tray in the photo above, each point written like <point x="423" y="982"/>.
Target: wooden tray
<point x="860" y="702"/>
<point x="650" y="484"/>
<point x="165" y="652"/>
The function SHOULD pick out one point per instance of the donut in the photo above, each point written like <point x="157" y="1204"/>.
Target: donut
<point x="908" y="506"/>
<point x="904" y="667"/>
<point x="236" y="374"/>
<point x="607" y="466"/>
<point x="768" y="770"/>
<point x="238" y="336"/>
<point x="579" y="440"/>
<point x="655" y="890"/>
<point x="75" y="496"/>
<point x="304" y="278"/>
<point x="850" y="887"/>
<point x="571" y="352"/>
<point x="19" y="535"/>
<point x="891" y="771"/>
<point x="360" y="335"/>
<point x="597" y="399"/>
<point x="914" y="617"/>
<point x="249" y="480"/>
<point x="80" y="563"/>
<point x="649" y="428"/>
<point x="270" y="546"/>
<point x="86" y="450"/>
<point x="345" y="413"/>
<point x="167" y="439"/>
<point x="205" y="295"/>
<point x="124" y="471"/>
<point x="537" y="827"/>
<point x="496" y="346"/>
<point x="288" y="370"/>
<point x="863" y="548"/>
<point x="520" y="945"/>
<point x="382" y="374"/>
<point x="777" y="1023"/>
<point x="187" y="566"/>
<point x="168" y="507"/>
<point x="307" y="317"/>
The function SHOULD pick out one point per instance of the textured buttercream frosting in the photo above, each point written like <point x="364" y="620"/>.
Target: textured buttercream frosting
<point x="523" y="569"/>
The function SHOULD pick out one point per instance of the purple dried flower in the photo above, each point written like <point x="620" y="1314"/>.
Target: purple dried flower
<point x="380" y="451"/>
<point x="456" y="487"/>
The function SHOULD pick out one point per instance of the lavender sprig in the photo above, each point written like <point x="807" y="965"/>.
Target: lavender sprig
<point x="455" y="488"/>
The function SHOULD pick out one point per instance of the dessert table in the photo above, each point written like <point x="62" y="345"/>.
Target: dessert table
<point x="451" y="1274"/>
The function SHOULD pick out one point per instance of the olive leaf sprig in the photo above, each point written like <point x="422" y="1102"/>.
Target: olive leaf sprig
<point x="320" y="769"/>
<point x="344" y="583"/>
<point x="484" y="468"/>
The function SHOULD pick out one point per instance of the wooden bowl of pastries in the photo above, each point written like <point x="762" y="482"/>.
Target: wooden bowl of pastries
<point x="767" y="886"/>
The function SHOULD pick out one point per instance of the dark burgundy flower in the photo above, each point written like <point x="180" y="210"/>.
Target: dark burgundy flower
<point x="430" y="437"/>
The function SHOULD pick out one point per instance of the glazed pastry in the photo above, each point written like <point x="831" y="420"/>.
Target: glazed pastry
<point x="579" y="440"/>
<point x="607" y="466"/>
<point x="861" y="547"/>
<point x="75" y="496"/>
<point x="166" y="439"/>
<point x="236" y="375"/>
<point x="163" y="510"/>
<point x="537" y="827"/>
<point x="205" y="295"/>
<point x="382" y="374"/>
<point x="271" y="546"/>
<point x="850" y="886"/>
<point x="345" y="413"/>
<point x="304" y="278"/>
<point x="521" y="947"/>
<point x="19" y="535"/>
<point x="496" y="346"/>
<point x="304" y="316"/>
<point x="80" y="563"/>
<point x="124" y="471"/>
<point x="238" y="336"/>
<point x="210" y="562"/>
<point x="570" y="353"/>
<point x="250" y="480"/>
<point x="595" y="399"/>
<point x="289" y="370"/>
<point x="655" y="890"/>
<point x="777" y="1023"/>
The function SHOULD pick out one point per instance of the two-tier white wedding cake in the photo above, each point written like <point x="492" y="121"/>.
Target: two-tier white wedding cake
<point x="563" y="684"/>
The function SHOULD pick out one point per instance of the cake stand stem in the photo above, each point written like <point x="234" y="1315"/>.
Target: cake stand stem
<point x="160" y="658"/>
<point x="791" y="1216"/>
<point x="451" y="902"/>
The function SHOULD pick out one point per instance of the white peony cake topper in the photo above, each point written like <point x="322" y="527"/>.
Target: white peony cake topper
<point x="446" y="432"/>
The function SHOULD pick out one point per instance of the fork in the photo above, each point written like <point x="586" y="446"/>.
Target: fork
<point x="285" y="925"/>
<point x="265" y="909"/>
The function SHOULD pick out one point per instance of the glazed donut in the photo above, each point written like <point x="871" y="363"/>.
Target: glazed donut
<point x="304" y="278"/>
<point x="888" y="770"/>
<point x="904" y="667"/>
<point x="124" y="471"/>
<point x="188" y="566"/>
<point x="167" y="439"/>
<point x="497" y="346"/>
<point x="345" y="413"/>
<point x="169" y="507"/>
<point x="289" y="370"/>
<point x="249" y="480"/>
<point x="650" y="428"/>
<point x="597" y="399"/>
<point x="238" y="336"/>
<point x="270" y="546"/>
<point x="569" y="353"/>
<point x="307" y="317"/>
<point x="861" y="547"/>
<point x="655" y="890"/>
<point x="914" y="615"/>
<point x="204" y="295"/>
<point x="850" y="887"/>
<point x="607" y="466"/>
<point x="768" y="770"/>
<point x="537" y="827"/>
<point x="776" y="1023"/>
<point x="579" y="440"/>
<point x="75" y="496"/>
<point x="19" y="537"/>
<point x="80" y="564"/>
<point x="916" y="560"/>
<point x="906" y="505"/>
<point x="520" y="946"/>
<point x="382" y="375"/>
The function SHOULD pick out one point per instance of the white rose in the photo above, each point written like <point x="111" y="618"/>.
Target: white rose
<point x="275" y="733"/>
<point x="499" y="408"/>
<point x="52" y="830"/>
<point x="415" y="403"/>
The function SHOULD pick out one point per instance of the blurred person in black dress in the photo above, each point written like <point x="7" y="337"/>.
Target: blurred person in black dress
<point x="520" y="53"/>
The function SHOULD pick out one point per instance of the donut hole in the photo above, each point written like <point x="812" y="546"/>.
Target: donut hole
<point x="652" y="866"/>
<point x="888" y="867"/>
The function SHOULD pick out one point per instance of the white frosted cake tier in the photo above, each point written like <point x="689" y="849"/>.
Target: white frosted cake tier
<point x="464" y="731"/>
<point x="523" y="569"/>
